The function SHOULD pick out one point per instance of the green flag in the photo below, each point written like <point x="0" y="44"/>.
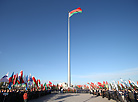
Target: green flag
<point x="45" y="86"/>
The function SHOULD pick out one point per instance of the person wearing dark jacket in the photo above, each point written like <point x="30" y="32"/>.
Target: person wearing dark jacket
<point x="131" y="96"/>
<point x="136" y="95"/>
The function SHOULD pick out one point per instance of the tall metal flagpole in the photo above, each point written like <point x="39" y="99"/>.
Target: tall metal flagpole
<point x="69" y="77"/>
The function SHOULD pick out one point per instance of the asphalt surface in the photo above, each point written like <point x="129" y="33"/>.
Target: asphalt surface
<point x="71" y="97"/>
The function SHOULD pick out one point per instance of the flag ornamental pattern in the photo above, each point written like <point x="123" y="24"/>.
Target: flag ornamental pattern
<point x="78" y="10"/>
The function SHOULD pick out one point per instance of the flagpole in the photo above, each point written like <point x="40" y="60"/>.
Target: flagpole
<point x="69" y="77"/>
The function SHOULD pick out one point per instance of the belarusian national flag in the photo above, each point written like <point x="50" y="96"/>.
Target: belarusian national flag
<point x="38" y="81"/>
<point x="78" y="10"/>
<point x="34" y="80"/>
<point x="45" y="86"/>
<point x="41" y="86"/>
<point x="50" y="82"/>
<point x="15" y="79"/>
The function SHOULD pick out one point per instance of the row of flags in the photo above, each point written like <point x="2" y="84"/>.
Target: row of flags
<point x="123" y="84"/>
<point x="28" y="81"/>
<point x="19" y="79"/>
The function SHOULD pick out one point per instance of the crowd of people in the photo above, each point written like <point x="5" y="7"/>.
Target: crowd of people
<point x="127" y="95"/>
<point x="22" y="95"/>
<point x="19" y="95"/>
<point x="21" y="89"/>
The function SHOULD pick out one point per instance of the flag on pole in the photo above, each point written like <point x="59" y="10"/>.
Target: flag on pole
<point x="124" y="82"/>
<point x="4" y="78"/>
<point x="107" y="86"/>
<point x="30" y="80"/>
<point x="110" y="87"/>
<point x="25" y="78"/>
<point x="38" y="81"/>
<point x="133" y="86"/>
<point x="45" y="86"/>
<point x="10" y="80"/>
<point x="21" y="77"/>
<point x="122" y="86"/>
<point x="34" y="80"/>
<point x="16" y="79"/>
<point x="50" y="83"/>
<point x="115" y="85"/>
<point x="78" y="10"/>
<point x="41" y="86"/>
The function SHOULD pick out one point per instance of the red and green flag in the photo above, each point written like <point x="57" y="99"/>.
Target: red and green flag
<point x="34" y="80"/>
<point x="45" y="86"/>
<point x="78" y="10"/>
<point x="107" y="86"/>
<point x="16" y="79"/>
<point x="38" y="82"/>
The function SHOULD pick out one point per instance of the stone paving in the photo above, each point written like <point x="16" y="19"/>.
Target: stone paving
<point x="71" y="97"/>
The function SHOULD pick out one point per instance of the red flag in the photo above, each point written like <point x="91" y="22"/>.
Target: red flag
<point x="50" y="85"/>
<point x="92" y="83"/>
<point x="102" y="85"/>
<point x="99" y="83"/>
<point x="78" y="10"/>
<point x="103" y="82"/>
<point x="18" y="82"/>
<point x="106" y="82"/>
<point x="38" y="80"/>
<point x="11" y="78"/>
<point x="122" y="86"/>
<point x="21" y="77"/>
<point x="129" y="81"/>
<point x="79" y="86"/>
<point x="118" y="82"/>
<point x="41" y="86"/>
<point x="50" y="82"/>
<point x="15" y="79"/>
<point x="34" y="80"/>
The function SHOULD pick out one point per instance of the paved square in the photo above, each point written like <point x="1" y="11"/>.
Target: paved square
<point x="71" y="97"/>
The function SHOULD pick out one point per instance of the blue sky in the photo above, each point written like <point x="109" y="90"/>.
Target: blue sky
<point x="104" y="39"/>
